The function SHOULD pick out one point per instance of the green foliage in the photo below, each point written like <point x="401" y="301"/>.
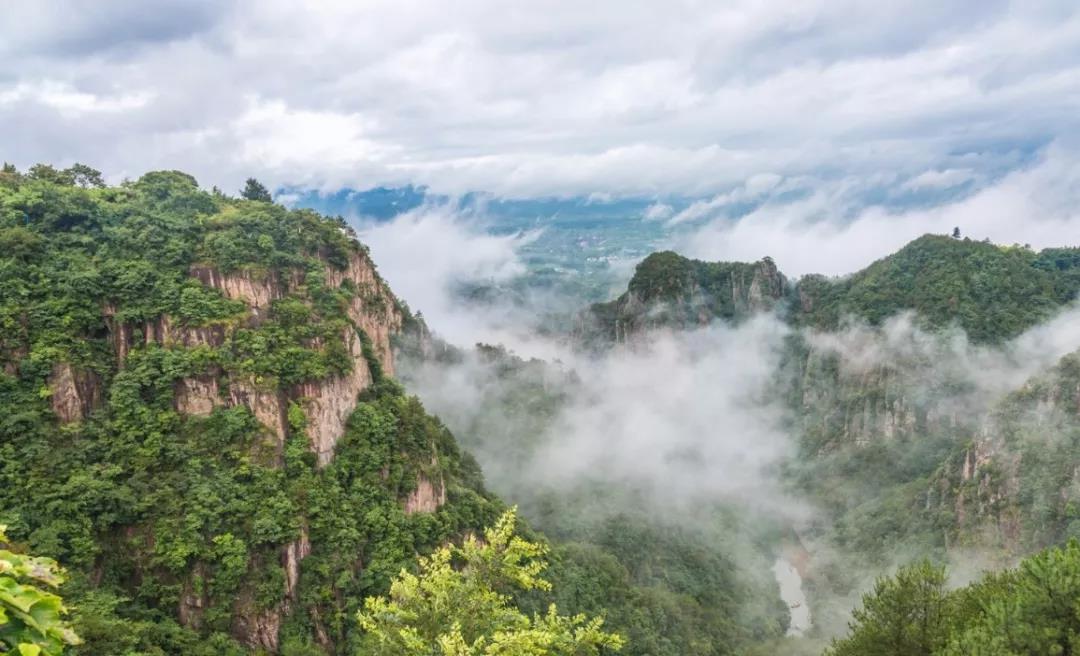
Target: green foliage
<point x="670" y="290"/>
<point x="669" y="589"/>
<point x="31" y="619"/>
<point x="904" y="615"/>
<point x="458" y="605"/>
<point x="992" y="292"/>
<point x="174" y="526"/>
<point x="254" y="190"/>
<point x="1029" y="610"/>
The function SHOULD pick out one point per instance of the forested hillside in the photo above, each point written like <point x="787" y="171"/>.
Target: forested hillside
<point x="992" y="292"/>
<point x="1030" y="609"/>
<point x="927" y="422"/>
<point x="691" y="583"/>
<point x="200" y="420"/>
<point x="197" y="417"/>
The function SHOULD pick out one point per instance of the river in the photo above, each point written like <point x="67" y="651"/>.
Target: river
<point x="791" y="592"/>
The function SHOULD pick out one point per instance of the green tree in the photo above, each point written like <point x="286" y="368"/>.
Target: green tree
<point x="255" y="190"/>
<point x="85" y="176"/>
<point x="49" y="173"/>
<point x="31" y="619"/>
<point x="905" y="615"/>
<point x="459" y="605"/>
<point x="1034" y="609"/>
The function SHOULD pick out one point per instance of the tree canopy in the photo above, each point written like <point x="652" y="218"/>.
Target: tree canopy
<point x="460" y="605"/>
<point x="1033" y="609"/>
<point x="254" y="190"/>
<point x="31" y="619"/>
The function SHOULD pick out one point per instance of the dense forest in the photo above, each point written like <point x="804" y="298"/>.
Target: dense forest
<point x="199" y="420"/>
<point x="991" y="292"/>
<point x="210" y="444"/>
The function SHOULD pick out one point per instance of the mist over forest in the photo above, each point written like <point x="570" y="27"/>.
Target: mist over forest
<point x="389" y="328"/>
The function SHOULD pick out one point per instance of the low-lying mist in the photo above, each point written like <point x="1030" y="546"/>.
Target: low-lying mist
<point x="689" y="429"/>
<point x="688" y="418"/>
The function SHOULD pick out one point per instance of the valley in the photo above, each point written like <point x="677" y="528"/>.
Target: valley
<point x="218" y="436"/>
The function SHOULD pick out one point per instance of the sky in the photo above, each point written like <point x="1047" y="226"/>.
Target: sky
<point x="809" y="116"/>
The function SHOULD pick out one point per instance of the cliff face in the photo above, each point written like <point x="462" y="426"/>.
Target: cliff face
<point x="327" y="403"/>
<point x="669" y="291"/>
<point x="74" y="392"/>
<point x="200" y="388"/>
<point x="1016" y="484"/>
<point x="843" y="399"/>
<point x="979" y="470"/>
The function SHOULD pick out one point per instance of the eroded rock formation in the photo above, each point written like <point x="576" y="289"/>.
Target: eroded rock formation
<point x="427" y="497"/>
<point x="75" y="392"/>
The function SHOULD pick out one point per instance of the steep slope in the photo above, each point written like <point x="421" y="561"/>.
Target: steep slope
<point x="677" y="582"/>
<point x="1016" y="484"/>
<point x="196" y="416"/>
<point x="907" y="443"/>
<point x="671" y="291"/>
<point x="992" y="292"/>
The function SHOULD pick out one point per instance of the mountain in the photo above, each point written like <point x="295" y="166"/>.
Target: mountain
<point x="927" y="420"/>
<point x="669" y="290"/>
<point x="205" y="416"/>
<point x="199" y="418"/>
<point x="992" y="292"/>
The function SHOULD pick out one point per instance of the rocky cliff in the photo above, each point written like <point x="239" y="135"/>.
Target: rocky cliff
<point x="1016" y="484"/>
<point x="372" y="311"/>
<point x="202" y="406"/>
<point x="669" y="291"/>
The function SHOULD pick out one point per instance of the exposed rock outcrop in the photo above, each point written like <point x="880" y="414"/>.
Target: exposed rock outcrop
<point x="428" y="496"/>
<point x="294" y="552"/>
<point x="669" y="291"/>
<point x="257" y="289"/>
<point x="267" y="404"/>
<point x="257" y="629"/>
<point x="328" y="403"/>
<point x="197" y="396"/>
<point x="75" y="392"/>
<point x="193" y="598"/>
<point x="260" y="629"/>
<point x="373" y="308"/>
<point x="165" y="331"/>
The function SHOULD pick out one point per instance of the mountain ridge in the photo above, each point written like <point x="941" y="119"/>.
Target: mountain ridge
<point x="992" y="292"/>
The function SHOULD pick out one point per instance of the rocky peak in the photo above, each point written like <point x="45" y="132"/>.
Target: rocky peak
<point x="671" y="291"/>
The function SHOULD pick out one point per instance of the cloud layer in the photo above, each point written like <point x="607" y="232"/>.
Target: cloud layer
<point x="831" y="228"/>
<point x="555" y="97"/>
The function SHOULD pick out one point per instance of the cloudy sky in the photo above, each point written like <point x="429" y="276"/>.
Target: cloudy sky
<point x="542" y="98"/>
<point x="809" y="114"/>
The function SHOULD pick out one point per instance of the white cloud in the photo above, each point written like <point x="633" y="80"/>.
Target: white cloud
<point x="276" y="137"/>
<point x="830" y="231"/>
<point x="70" y="102"/>
<point x="943" y="179"/>
<point x="426" y="253"/>
<point x="755" y="188"/>
<point x="658" y="211"/>
<point x="711" y="433"/>
<point x="546" y="98"/>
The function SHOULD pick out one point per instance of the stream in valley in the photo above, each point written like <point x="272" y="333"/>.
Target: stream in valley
<point x="791" y="591"/>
